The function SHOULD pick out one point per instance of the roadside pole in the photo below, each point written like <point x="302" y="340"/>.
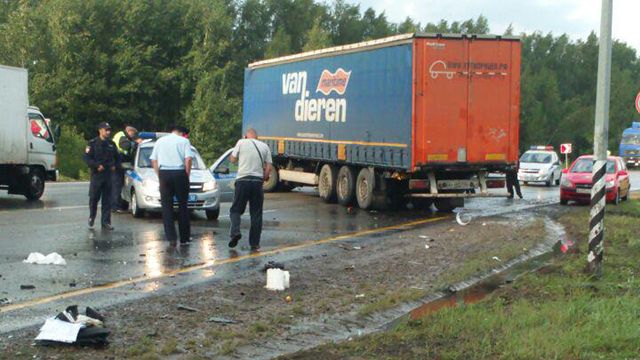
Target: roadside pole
<point x="600" y="143"/>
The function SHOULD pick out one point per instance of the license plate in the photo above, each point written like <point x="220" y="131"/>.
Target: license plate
<point x="192" y="198"/>
<point x="583" y="191"/>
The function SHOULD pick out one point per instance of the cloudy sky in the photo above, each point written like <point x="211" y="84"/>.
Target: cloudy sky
<point x="576" y="18"/>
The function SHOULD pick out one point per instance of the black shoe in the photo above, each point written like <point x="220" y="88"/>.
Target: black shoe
<point x="117" y="211"/>
<point x="107" y="227"/>
<point x="91" y="221"/>
<point x="520" y="196"/>
<point x="185" y="243"/>
<point x="255" y="249"/>
<point x="234" y="240"/>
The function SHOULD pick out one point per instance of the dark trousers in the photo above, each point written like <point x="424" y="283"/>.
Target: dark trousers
<point x="175" y="183"/>
<point x="100" y="188"/>
<point x="512" y="181"/>
<point x="117" y="183"/>
<point x="248" y="190"/>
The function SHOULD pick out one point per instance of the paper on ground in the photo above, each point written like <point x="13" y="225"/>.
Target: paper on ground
<point x="61" y="331"/>
<point x="51" y="259"/>
<point x="277" y="279"/>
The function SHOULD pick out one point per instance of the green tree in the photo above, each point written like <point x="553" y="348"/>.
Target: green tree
<point x="317" y="37"/>
<point x="279" y="45"/>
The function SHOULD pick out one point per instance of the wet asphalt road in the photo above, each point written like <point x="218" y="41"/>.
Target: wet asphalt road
<point x="136" y="249"/>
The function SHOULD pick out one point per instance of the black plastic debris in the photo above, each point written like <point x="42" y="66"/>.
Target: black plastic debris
<point x="273" y="265"/>
<point x="27" y="287"/>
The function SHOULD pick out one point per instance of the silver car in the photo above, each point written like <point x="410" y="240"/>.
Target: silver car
<point x="225" y="172"/>
<point x="142" y="189"/>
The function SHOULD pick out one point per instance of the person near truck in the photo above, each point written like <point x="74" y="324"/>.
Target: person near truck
<point x="172" y="158"/>
<point x="254" y="166"/>
<point x="101" y="155"/>
<point x="127" y="142"/>
<point x="512" y="181"/>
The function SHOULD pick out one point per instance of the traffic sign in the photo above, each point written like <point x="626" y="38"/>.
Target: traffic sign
<point x="565" y="148"/>
<point x="638" y="102"/>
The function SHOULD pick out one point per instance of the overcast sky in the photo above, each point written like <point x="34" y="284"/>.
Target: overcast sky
<point x="576" y="18"/>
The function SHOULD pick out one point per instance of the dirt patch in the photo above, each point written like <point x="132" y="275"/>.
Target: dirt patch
<point x="351" y="280"/>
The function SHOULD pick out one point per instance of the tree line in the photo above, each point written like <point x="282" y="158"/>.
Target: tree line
<point x="152" y="63"/>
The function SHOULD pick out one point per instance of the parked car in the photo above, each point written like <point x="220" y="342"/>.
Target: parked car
<point x="540" y="164"/>
<point x="142" y="188"/>
<point x="577" y="180"/>
<point x="225" y="172"/>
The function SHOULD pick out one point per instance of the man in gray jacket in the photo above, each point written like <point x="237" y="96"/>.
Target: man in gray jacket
<point x="254" y="166"/>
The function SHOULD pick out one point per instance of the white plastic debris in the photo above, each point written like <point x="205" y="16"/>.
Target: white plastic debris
<point x="277" y="279"/>
<point x="359" y="296"/>
<point x="496" y="258"/>
<point x="426" y="247"/>
<point x="463" y="219"/>
<point x="58" y="330"/>
<point x="51" y="259"/>
<point x="423" y="237"/>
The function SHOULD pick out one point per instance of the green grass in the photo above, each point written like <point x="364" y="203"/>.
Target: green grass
<point x="559" y="313"/>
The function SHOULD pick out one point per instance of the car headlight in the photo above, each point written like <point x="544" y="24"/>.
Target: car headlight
<point x="209" y="185"/>
<point x="610" y="184"/>
<point x="565" y="182"/>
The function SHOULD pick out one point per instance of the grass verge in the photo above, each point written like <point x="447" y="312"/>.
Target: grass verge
<point x="561" y="312"/>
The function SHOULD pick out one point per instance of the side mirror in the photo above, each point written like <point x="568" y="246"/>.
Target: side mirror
<point x="564" y="171"/>
<point x="57" y="130"/>
<point x="221" y="170"/>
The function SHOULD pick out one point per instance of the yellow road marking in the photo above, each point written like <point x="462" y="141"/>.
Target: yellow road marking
<point x="121" y="283"/>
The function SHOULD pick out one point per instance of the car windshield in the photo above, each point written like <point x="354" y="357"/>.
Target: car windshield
<point x="144" y="160"/>
<point x="586" y="166"/>
<point x="536" y="157"/>
<point x="631" y="139"/>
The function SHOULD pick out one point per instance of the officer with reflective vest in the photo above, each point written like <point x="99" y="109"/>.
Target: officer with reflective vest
<point x="127" y="142"/>
<point x="103" y="160"/>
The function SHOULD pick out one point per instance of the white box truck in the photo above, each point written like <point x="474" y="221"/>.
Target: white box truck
<point x="27" y="144"/>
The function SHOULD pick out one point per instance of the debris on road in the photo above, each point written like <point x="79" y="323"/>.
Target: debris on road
<point x="350" y="267"/>
<point x="5" y="301"/>
<point x="288" y="299"/>
<point x="186" y="308"/>
<point x="70" y="327"/>
<point x="51" y="259"/>
<point x="357" y="248"/>
<point x="273" y="265"/>
<point x="463" y="218"/>
<point x="27" y="287"/>
<point x="277" y="279"/>
<point x="496" y="258"/>
<point x="423" y="237"/>
<point x="221" y="320"/>
<point x="426" y="246"/>
<point x="359" y="296"/>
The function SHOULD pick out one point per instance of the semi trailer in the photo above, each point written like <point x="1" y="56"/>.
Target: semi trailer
<point x="414" y="116"/>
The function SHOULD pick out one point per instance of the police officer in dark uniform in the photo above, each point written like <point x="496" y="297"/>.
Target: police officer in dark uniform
<point x="103" y="160"/>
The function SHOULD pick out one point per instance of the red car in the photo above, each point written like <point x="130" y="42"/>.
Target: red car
<point x="576" y="181"/>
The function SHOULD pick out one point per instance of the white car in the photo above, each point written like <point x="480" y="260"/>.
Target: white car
<point x="540" y="164"/>
<point x="142" y="189"/>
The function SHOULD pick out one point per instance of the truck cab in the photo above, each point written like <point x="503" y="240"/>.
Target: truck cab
<point x="630" y="145"/>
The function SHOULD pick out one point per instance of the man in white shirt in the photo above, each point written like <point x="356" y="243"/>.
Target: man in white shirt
<point x="254" y="166"/>
<point x="171" y="159"/>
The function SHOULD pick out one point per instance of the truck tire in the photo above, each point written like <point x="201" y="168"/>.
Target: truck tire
<point x="364" y="189"/>
<point x="327" y="183"/>
<point x="345" y="186"/>
<point x="136" y="211"/>
<point x="445" y="205"/>
<point x="274" y="179"/>
<point x="35" y="184"/>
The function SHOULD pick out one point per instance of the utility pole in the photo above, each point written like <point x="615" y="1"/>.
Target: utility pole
<point x="600" y="143"/>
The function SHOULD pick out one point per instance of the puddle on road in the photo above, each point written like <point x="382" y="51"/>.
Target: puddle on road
<point x="475" y="290"/>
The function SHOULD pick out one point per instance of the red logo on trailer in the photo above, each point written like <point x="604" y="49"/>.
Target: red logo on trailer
<point x="565" y="148"/>
<point x="337" y="82"/>
<point x="638" y="102"/>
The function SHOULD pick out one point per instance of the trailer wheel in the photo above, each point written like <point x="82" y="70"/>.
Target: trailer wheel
<point x="272" y="184"/>
<point x="327" y="183"/>
<point x="345" y="186"/>
<point x="364" y="189"/>
<point x="35" y="184"/>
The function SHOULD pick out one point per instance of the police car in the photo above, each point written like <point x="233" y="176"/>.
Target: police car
<point x="540" y="164"/>
<point x="142" y="188"/>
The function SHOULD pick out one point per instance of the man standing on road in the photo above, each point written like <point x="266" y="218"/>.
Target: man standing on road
<point x="126" y="141"/>
<point x="171" y="159"/>
<point x="254" y="166"/>
<point x="512" y="181"/>
<point x="103" y="159"/>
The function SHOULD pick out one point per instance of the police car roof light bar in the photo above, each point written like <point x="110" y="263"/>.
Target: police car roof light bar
<point x="147" y="135"/>
<point x="541" y="147"/>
